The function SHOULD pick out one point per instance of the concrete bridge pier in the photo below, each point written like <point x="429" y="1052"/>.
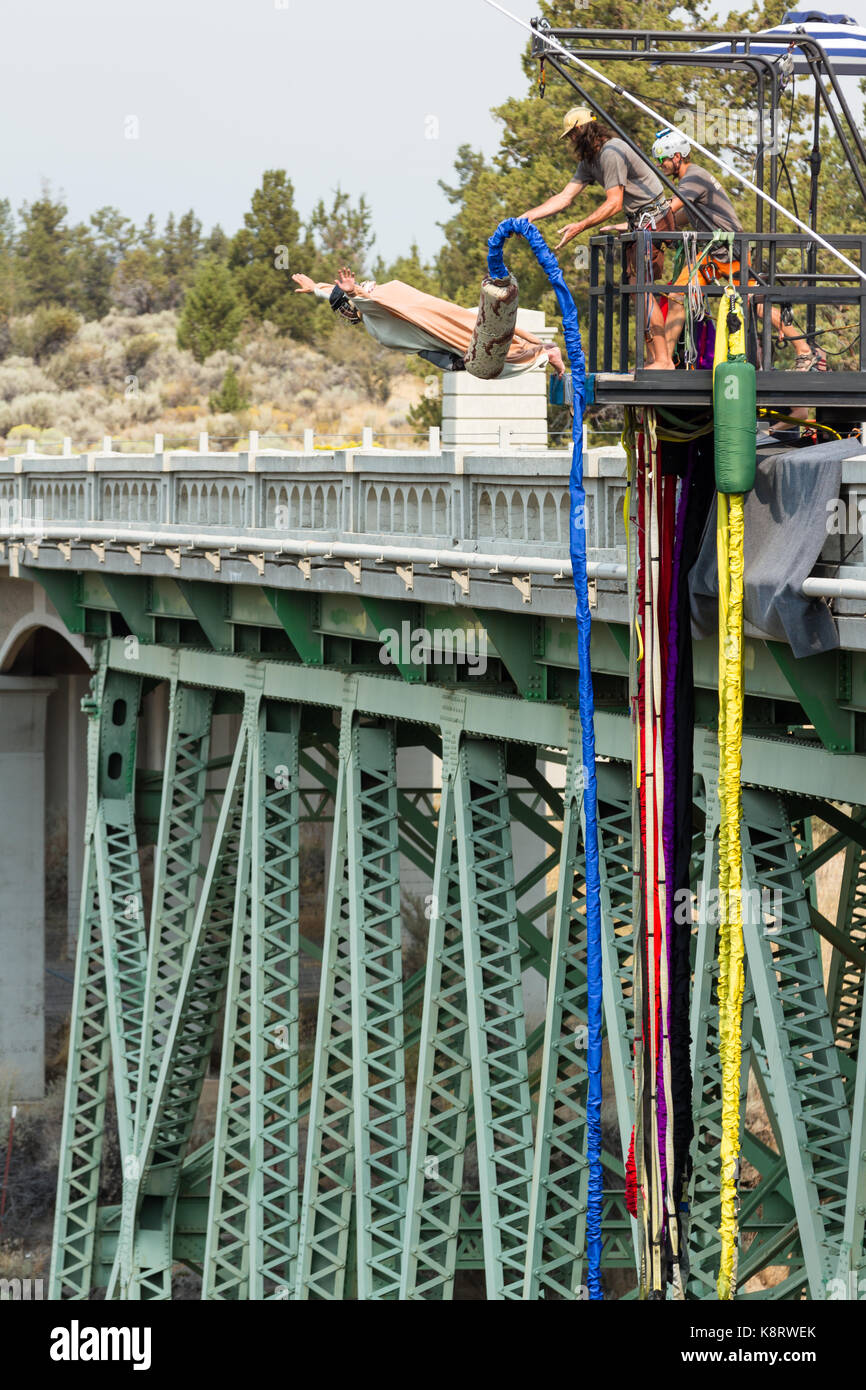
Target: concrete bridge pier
<point x="23" y="705"/>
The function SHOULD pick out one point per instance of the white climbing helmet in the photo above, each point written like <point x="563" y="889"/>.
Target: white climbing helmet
<point x="668" y="143"/>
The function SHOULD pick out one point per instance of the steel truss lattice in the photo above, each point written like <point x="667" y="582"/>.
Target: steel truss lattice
<point x="436" y="1130"/>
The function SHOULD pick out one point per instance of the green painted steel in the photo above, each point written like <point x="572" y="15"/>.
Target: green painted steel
<point x="83" y="1129"/>
<point x="519" y="643"/>
<point x="175" y="867"/>
<point x="385" y="1203"/>
<point x="379" y="1089"/>
<point x="298" y="614"/>
<point x="814" y="682"/>
<point x="389" y="616"/>
<point x="143" y="1265"/>
<point x="808" y="1091"/>
<point x="560" y="1178"/>
<point x="226" y="1260"/>
<point x="615" y="852"/>
<point x="211" y="606"/>
<point x="131" y="596"/>
<point x="275" y="950"/>
<point x="329" y="1172"/>
<point x="442" y="1096"/>
<point x="121" y="905"/>
<point x="846" y="977"/>
<point x="92" y="1021"/>
<point x="497" y="1030"/>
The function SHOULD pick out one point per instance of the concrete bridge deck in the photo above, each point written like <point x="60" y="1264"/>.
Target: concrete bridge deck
<point x="330" y="542"/>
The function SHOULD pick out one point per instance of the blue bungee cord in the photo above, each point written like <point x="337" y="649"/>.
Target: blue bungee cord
<point x="497" y="269"/>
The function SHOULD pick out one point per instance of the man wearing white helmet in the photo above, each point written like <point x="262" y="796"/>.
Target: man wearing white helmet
<point x="632" y="187"/>
<point x="673" y="153"/>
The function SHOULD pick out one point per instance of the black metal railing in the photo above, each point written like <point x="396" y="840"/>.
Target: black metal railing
<point x="619" y="311"/>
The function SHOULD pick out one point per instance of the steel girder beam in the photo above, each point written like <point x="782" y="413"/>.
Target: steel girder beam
<point x="172" y="915"/>
<point x="617" y="924"/>
<point x="560" y="1177"/>
<point x="175" y="871"/>
<point x="108" y="1004"/>
<point x="803" y="767"/>
<point x="519" y="646"/>
<point x="87" y="1072"/>
<point x="814" y="682"/>
<point x="391" y="614"/>
<point x="64" y="590"/>
<point x="497" y="1033"/>
<point x="275" y="909"/>
<point x="845" y="989"/>
<point x="442" y="1096"/>
<point x="812" y="861"/>
<point x="182" y="1039"/>
<point x="131" y="596"/>
<point x="329" y="1170"/>
<point x="851" y="827"/>
<point x="802" y="1061"/>
<point x="852" y="1262"/>
<point x="614" y="817"/>
<point x="298" y="614"/>
<point x="210" y="604"/>
<point x="379" y="1086"/>
<point x="253" y="1215"/>
<point x="845" y="981"/>
<point x="225" y="1270"/>
<point x="558" y="1201"/>
<point x="121" y="905"/>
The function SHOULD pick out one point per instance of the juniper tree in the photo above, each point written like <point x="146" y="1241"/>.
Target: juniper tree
<point x="212" y="312"/>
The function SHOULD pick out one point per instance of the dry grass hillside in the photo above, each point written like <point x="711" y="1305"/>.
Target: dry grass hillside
<point x="125" y="376"/>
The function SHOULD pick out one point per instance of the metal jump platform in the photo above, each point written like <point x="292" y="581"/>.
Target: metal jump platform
<point x="789" y="269"/>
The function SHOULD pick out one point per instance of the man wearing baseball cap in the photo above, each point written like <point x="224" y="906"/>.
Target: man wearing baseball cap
<point x="631" y="187"/>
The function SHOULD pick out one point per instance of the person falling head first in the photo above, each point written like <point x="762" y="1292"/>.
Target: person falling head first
<point x="398" y="316"/>
<point x="631" y="187"/>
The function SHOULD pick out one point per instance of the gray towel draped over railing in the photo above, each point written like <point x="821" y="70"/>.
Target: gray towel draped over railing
<point x="786" y="518"/>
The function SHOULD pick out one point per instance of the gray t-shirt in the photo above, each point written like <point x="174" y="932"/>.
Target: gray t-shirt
<point x="703" y="189"/>
<point x="617" y="166"/>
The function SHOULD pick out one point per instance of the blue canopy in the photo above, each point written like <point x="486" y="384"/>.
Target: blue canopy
<point x="842" y="39"/>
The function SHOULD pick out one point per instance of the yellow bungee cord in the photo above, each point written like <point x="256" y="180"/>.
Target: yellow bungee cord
<point x="735" y="415"/>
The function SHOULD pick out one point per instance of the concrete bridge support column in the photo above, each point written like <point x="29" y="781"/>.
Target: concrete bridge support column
<point x="23" y="701"/>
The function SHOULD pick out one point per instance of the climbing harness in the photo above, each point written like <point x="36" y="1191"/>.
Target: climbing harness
<point x="577" y="545"/>
<point x="735" y="414"/>
<point x="695" y="303"/>
<point x="649" y="216"/>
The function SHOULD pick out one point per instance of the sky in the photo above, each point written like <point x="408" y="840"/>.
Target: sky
<point x="173" y="104"/>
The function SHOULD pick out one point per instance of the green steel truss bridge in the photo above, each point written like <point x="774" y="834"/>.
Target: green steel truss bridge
<point x="435" y="1122"/>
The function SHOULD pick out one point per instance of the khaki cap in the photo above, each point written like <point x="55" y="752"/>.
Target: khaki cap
<point x="577" y="116"/>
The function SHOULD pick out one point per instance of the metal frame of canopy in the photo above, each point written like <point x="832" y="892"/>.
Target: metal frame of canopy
<point x="776" y="40"/>
<point x="655" y="46"/>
